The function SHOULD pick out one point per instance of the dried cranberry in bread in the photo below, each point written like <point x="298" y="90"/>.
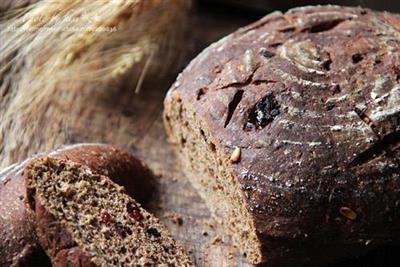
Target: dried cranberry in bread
<point x="84" y="219"/>
<point x="18" y="242"/>
<point x="289" y="129"/>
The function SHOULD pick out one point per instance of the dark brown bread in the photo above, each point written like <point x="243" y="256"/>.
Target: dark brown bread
<point x="18" y="242"/>
<point x="84" y="219"/>
<point x="289" y="129"/>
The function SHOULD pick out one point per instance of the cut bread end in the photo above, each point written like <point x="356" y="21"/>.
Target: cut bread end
<point x="211" y="176"/>
<point x="85" y="218"/>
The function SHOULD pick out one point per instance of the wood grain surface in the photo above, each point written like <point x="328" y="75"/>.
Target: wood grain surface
<point x="133" y="122"/>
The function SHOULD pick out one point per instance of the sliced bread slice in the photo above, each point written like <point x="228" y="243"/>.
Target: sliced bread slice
<point x="85" y="219"/>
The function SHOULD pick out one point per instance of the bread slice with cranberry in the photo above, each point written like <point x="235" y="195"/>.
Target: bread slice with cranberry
<point x="85" y="219"/>
<point x="18" y="242"/>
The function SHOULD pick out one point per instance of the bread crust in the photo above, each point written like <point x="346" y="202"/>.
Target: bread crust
<point x="18" y="243"/>
<point x="319" y="176"/>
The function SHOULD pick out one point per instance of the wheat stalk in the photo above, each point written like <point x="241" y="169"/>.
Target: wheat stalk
<point x="52" y="43"/>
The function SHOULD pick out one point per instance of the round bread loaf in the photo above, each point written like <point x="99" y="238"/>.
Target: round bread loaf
<point x="18" y="241"/>
<point x="289" y="129"/>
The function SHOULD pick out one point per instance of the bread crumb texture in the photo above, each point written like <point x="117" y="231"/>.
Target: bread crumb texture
<point x="97" y="218"/>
